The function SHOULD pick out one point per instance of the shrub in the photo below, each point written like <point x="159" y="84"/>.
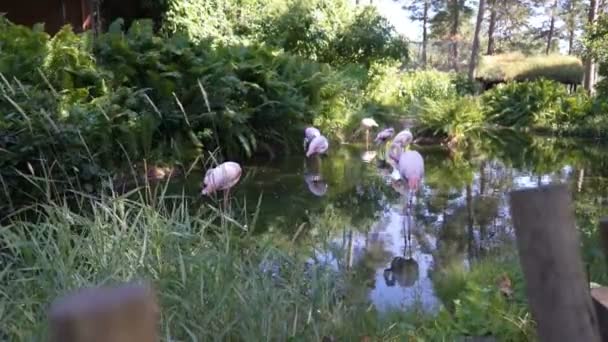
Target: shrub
<point x="418" y="86"/>
<point x="452" y="117"/>
<point x="526" y="104"/>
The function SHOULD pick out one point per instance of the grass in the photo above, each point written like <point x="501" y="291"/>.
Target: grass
<point x="210" y="276"/>
<point x="215" y="279"/>
<point x="516" y="66"/>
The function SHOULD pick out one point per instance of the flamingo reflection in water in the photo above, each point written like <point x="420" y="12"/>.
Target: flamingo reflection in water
<point x="403" y="270"/>
<point x="316" y="184"/>
<point x="313" y="177"/>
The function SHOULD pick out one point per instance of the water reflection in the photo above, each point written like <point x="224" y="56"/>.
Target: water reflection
<point x="316" y="185"/>
<point x="368" y="156"/>
<point x="354" y="210"/>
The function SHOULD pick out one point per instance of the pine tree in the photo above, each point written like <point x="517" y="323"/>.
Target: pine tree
<point x="420" y="10"/>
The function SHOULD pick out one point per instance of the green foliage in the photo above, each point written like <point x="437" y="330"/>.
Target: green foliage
<point x="427" y="84"/>
<point x="306" y="28"/>
<point x="205" y="274"/>
<point x="475" y="305"/>
<point x="528" y="104"/>
<point x="368" y="38"/>
<point x="595" y="42"/>
<point x="220" y="20"/>
<point x="21" y="49"/>
<point x="452" y="117"/>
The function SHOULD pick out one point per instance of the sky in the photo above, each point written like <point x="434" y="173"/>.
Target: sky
<point x="399" y="18"/>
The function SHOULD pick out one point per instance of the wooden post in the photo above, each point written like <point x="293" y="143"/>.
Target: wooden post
<point x="600" y="302"/>
<point x="548" y="245"/>
<point x="604" y="236"/>
<point x="111" y="314"/>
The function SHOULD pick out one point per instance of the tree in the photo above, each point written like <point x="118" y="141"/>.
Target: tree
<point x="508" y="25"/>
<point x="550" y="34"/>
<point x="447" y="24"/>
<point x="493" y="6"/>
<point x="594" y="37"/>
<point x="475" y="48"/>
<point x="420" y="11"/>
<point x="573" y="13"/>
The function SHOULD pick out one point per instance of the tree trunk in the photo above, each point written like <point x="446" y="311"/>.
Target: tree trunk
<point x="590" y="66"/>
<point x="551" y="27"/>
<point x="570" y="41"/>
<point x="475" y="48"/>
<point x="491" y="27"/>
<point x="454" y="34"/>
<point x="425" y="19"/>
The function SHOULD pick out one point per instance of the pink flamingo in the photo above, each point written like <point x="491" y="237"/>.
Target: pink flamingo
<point x="318" y="145"/>
<point x="222" y="177"/>
<point x="309" y="134"/>
<point x="367" y="124"/>
<point x="403" y="138"/>
<point x="411" y="168"/>
<point x="384" y="135"/>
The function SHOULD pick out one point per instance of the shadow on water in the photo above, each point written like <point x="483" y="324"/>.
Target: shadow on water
<point x="354" y="218"/>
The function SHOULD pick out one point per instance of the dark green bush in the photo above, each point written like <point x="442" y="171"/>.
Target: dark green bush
<point x="526" y="104"/>
<point x="452" y="117"/>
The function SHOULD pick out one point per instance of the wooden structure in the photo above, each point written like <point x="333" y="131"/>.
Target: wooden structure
<point x="112" y="314"/>
<point x="556" y="283"/>
<point x="53" y="13"/>
<point x="516" y="67"/>
<point x="82" y="15"/>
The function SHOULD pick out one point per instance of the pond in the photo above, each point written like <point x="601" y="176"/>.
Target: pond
<point x="356" y="220"/>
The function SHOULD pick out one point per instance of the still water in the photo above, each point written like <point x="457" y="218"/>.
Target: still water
<point x="356" y="221"/>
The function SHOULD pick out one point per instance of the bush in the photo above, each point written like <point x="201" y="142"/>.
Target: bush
<point x="418" y="86"/>
<point x="453" y="117"/>
<point x="226" y="21"/>
<point x="527" y="104"/>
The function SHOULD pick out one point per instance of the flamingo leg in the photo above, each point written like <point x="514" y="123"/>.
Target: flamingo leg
<point x="367" y="139"/>
<point x="226" y="200"/>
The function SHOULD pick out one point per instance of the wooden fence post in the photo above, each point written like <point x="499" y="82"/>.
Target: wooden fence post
<point x="110" y="314"/>
<point x="548" y="245"/>
<point x="600" y="294"/>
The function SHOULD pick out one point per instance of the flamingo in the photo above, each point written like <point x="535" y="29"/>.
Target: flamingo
<point x="411" y="168"/>
<point x="384" y="135"/>
<point x="367" y="124"/>
<point x="403" y="138"/>
<point x="309" y="134"/>
<point x="222" y="177"/>
<point x="318" y="145"/>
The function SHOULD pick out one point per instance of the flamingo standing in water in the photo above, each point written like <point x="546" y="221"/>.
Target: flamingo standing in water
<point x="384" y="135"/>
<point x="401" y="141"/>
<point x="403" y="138"/>
<point x="309" y="134"/>
<point x="318" y="145"/>
<point x="222" y="177"/>
<point x="367" y="124"/>
<point x="411" y="169"/>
